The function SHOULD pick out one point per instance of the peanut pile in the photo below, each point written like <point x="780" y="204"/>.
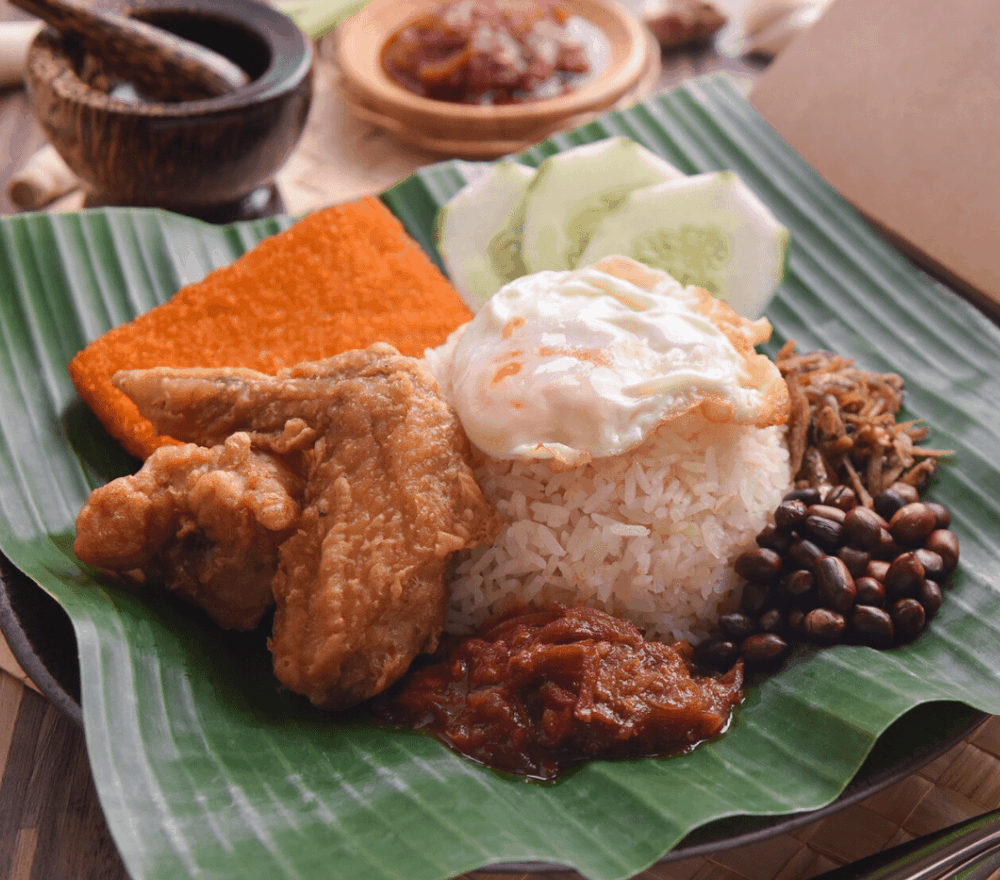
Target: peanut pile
<point x="852" y="553"/>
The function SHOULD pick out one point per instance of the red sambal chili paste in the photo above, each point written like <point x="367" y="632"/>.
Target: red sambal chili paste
<point x="487" y="52"/>
<point x="535" y="692"/>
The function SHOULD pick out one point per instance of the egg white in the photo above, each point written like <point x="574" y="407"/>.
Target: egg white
<point x="586" y="363"/>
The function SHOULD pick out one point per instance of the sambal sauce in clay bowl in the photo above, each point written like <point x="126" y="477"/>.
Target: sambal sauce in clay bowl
<point x="213" y="158"/>
<point x="478" y="79"/>
<point x="490" y="52"/>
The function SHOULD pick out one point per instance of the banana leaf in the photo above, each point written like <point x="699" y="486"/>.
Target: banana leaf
<point x="205" y="767"/>
<point x="317" y="18"/>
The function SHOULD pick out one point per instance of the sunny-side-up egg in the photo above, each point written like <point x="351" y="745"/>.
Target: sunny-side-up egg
<point x="586" y="363"/>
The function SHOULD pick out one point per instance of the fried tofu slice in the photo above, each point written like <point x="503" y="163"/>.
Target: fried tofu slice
<point x="389" y="494"/>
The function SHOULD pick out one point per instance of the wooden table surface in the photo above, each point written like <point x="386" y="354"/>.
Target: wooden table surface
<point x="51" y="825"/>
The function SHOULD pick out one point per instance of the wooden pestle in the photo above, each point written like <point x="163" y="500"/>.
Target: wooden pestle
<point x="160" y="64"/>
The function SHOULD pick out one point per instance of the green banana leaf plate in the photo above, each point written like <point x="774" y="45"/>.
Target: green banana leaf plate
<point x="204" y="767"/>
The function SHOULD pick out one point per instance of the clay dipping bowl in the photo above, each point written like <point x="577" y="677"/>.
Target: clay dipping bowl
<point x="625" y="64"/>
<point x="203" y="157"/>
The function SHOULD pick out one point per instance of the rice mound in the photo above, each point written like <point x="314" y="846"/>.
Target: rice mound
<point x="649" y="535"/>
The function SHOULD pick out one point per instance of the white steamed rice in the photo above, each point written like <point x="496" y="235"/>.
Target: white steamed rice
<point x="649" y="535"/>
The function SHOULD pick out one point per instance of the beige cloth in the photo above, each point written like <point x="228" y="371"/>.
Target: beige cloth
<point x="43" y="179"/>
<point x="15" y="37"/>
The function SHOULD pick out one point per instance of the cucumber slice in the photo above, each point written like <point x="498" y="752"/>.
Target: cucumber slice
<point x="573" y="190"/>
<point x="709" y="230"/>
<point x="479" y="232"/>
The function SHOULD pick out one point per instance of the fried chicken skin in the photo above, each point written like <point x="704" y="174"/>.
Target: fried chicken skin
<point x="361" y="586"/>
<point x="389" y="495"/>
<point x="207" y="522"/>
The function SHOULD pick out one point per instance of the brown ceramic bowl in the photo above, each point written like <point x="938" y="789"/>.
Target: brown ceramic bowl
<point x="624" y="56"/>
<point x="194" y="157"/>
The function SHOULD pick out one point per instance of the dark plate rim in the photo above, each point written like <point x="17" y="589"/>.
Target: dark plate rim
<point x="46" y="672"/>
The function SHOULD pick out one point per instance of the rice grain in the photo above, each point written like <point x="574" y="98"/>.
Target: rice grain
<point x="649" y="535"/>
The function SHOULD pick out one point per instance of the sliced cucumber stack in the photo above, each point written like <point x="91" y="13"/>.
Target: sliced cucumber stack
<point x="612" y="197"/>
<point x="574" y="190"/>
<point x="709" y="230"/>
<point x="479" y="232"/>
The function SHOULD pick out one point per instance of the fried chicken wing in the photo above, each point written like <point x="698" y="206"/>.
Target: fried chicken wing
<point x="205" y="406"/>
<point x="361" y="586"/>
<point x="389" y="495"/>
<point x="207" y="522"/>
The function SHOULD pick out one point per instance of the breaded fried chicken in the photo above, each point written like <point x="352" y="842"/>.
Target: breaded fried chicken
<point x="207" y="522"/>
<point x="361" y="587"/>
<point x="389" y="495"/>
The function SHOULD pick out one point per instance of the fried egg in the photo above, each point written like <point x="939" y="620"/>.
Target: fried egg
<point x="586" y="363"/>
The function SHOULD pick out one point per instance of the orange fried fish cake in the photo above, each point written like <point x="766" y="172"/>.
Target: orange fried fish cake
<point x="339" y="279"/>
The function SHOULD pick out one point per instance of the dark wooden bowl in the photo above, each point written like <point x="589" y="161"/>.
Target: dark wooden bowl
<point x="194" y="157"/>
